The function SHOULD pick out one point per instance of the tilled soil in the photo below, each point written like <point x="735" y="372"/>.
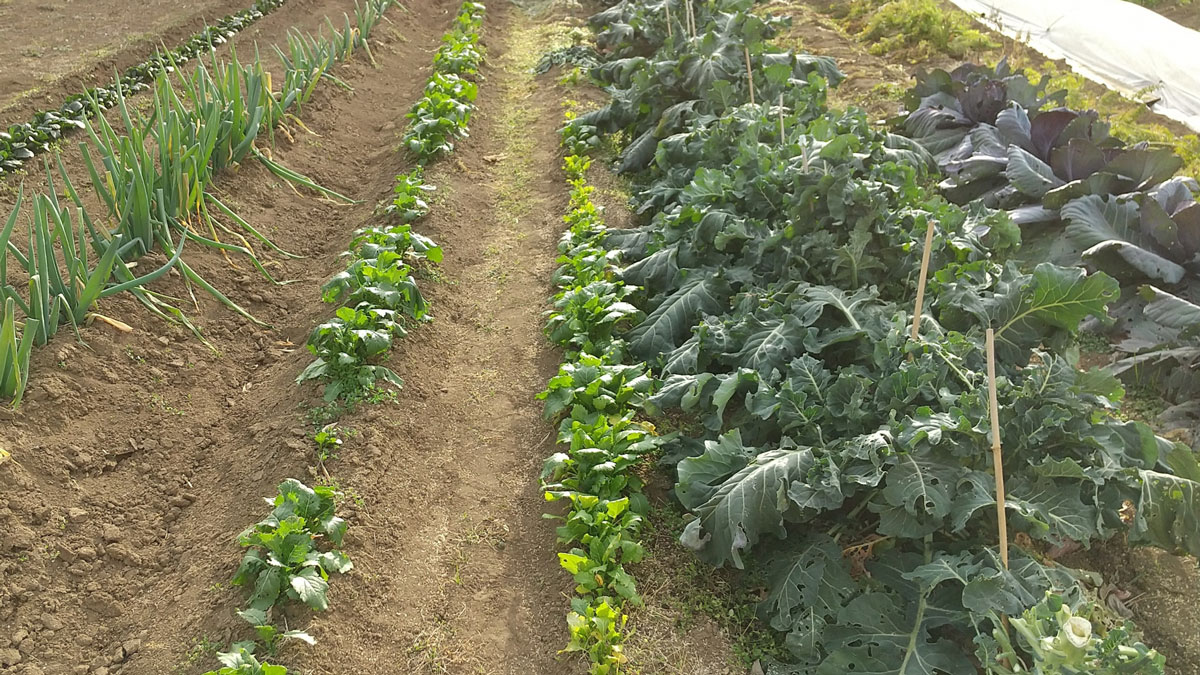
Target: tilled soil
<point x="138" y="457"/>
<point x="52" y="44"/>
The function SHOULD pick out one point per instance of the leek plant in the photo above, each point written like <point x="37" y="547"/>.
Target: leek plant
<point x="14" y="353"/>
<point x="14" y="348"/>
<point x="65" y="290"/>
<point x="365" y="18"/>
<point x="146" y="198"/>
<point x="155" y="303"/>
<point x="152" y="178"/>
<point x="307" y="61"/>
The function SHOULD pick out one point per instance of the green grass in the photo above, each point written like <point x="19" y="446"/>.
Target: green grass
<point x="692" y="589"/>
<point x="914" y="30"/>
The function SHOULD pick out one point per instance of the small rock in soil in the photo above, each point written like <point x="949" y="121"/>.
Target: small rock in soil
<point x="51" y="622"/>
<point x="76" y="515"/>
<point x="132" y="647"/>
<point x="65" y="554"/>
<point x="9" y="657"/>
<point x="119" y="552"/>
<point x="86" y="553"/>
<point x="19" y="538"/>
<point x="32" y="670"/>
<point x="110" y="532"/>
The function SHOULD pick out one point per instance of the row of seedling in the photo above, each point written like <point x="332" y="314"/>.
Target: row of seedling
<point x="22" y="142"/>
<point x="594" y="398"/>
<point x="152" y="181"/>
<point x="443" y="113"/>
<point x="292" y="553"/>
<point x="290" y="556"/>
<point x="377" y="294"/>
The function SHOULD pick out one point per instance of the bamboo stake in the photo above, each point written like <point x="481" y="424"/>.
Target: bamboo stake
<point x="667" y="5"/>
<point x="749" y="73"/>
<point x="782" y="139"/>
<point x="691" y="19"/>
<point x="997" y="452"/>
<point x="916" y="323"/>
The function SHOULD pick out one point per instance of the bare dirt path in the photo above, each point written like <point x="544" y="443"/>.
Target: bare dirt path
<point x="456" y="566"/>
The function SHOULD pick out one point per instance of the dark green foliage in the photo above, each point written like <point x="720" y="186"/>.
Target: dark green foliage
<point x="776" y="270"/>
<point x="1080" y="194"/>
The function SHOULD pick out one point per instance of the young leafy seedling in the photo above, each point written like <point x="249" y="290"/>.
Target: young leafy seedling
<point x="284" y="558"/>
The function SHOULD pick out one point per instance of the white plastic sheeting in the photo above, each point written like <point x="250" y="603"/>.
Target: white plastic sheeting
<point x="1117" y="43"/>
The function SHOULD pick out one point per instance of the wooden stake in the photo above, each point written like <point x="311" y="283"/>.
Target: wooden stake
<point x="667" y="5"/>
<point x="691" y="19"/>
<point x="997" y="452"/>
<point x="782" y="139"/>
<point x="916" y="324"/>
<point x="749" y="73"/>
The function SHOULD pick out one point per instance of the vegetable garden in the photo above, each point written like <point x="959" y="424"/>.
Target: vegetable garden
<point x="765" y="309"/>
<point x="828" y="344"/>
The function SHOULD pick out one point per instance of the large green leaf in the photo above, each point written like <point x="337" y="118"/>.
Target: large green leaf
<point x="1024" y="309"/>
<point x="751" y="503"/>
<point x="768" y="345"/>
<point x="1170" y="310"/>
<point x="672" y="321"/>
<point x="917" y="495"/>
<point x="311" y="588"/>
<point x="1168" y="513"/>
<point x="808" y="584"/>
<point x="1052" y="512"/>
<point x="878" y="635"/>
<point x="1108" y="229"/>
<point x="1033" y="177"/>
<point x="701" y="476"/>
